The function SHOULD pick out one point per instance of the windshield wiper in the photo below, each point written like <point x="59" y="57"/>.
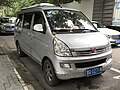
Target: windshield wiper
<point x="83" y="30"/>
<point x="66" y="30"/>
<point x="61" y="30"/>
<point x="88" y="30"/>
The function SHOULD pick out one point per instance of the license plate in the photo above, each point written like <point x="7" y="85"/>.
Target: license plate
<point x="93" y="71"/>
<point x="117" y="41"/>
<point x="10" y="29"/>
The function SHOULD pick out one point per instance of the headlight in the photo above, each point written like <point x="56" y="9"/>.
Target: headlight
<point x="60" y="48"/>
<point x="108" y="47"/>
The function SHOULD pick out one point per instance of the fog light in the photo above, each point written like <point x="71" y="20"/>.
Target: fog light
<point x="64" y="65"/>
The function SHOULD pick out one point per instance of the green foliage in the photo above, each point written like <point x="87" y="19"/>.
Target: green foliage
<point x="16" y="6"/>
<point x="6" y="2"/>
<point x="13" y="6"/>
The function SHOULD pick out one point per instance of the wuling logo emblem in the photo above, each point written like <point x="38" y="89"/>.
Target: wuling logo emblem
<point x="93" y="50"/>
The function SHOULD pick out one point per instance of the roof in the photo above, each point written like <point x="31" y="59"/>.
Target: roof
<point x="94" y="22"/>
<point x="40" y="5"/>
<point x="43" y="6"/>
<point x="46" y="8"/>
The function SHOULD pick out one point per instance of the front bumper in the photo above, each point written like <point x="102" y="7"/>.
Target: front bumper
<point x="73" y="72"/>
<point x="7" y="30"/>
<point x="77" y="73"/>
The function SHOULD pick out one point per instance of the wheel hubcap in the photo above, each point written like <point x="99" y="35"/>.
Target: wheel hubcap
<point x="48" y="72"/>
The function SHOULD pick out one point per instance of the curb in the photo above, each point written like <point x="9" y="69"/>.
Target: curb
<point x="21" y="81"/>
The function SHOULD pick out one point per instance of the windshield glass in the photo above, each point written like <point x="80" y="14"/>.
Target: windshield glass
<point x="4" y="20"/>
<point x="67" y="20"/>
<point x="98" y="25"/>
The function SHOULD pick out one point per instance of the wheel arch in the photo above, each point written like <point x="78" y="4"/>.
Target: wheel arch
<point x="45" y="58"/>
<point x="16" y="42"/>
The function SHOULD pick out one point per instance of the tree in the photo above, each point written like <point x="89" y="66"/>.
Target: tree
<point x="13" y="6"/>
<point x="16" y="5"/>
<point x="6" y="2"/>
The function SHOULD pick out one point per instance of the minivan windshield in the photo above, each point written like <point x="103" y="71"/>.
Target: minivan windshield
<point x="68" y="21"/>
<point x="98" y="25"/>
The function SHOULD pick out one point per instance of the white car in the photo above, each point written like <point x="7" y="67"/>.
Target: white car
<point x="6" y="26"/>
<point x="113" y="35"/>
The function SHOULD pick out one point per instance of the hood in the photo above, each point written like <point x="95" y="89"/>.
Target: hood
<point x="83" y="40"/>
<point x="8" y="24"/>
<point x="108" y="31"/>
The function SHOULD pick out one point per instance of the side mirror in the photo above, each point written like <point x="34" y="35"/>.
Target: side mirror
<point x="38" y="27"/>
<point x="104" y="26"/>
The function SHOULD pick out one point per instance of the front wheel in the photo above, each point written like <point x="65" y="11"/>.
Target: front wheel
<point x="49" y="73"/>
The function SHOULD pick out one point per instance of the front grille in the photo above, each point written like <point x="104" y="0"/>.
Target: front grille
<point x="116" y="37"/>
<point x="89" y="52"/>
<point x="89" y="64"/>
<point x="9" y="26"/>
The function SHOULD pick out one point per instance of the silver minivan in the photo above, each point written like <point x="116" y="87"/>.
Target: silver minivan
<point x="63" y="41"/>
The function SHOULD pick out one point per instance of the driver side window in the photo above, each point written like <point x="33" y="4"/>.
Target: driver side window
<point x="39" y="19"/>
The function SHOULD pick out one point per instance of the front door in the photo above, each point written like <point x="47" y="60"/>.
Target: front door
<point x="38" y="39"/>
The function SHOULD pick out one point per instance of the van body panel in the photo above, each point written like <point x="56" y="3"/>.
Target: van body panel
<point x="40" y="45"/>
<point x="26" y="39"/>
<point x="83" y="40"/>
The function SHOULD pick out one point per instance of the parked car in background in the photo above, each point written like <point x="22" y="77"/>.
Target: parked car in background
<point x="113" y="35"/>
<point x="6" y="26"/>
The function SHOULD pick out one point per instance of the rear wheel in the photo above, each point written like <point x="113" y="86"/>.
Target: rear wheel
<point x="49" y="73"/>
<point x="19" y="51"/>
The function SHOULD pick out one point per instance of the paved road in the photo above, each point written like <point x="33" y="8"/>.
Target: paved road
<point x="32" y="73"/>
<point x="8" y="74"/>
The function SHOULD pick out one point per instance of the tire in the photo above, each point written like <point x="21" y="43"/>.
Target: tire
<point x="115" y="45"/>
<point x="20" y="53"/>
<point x="49" y="74"/>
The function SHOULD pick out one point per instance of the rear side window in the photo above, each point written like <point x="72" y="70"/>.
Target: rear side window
<point x="27" y="20"/>
<point x="19" y="20"/>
